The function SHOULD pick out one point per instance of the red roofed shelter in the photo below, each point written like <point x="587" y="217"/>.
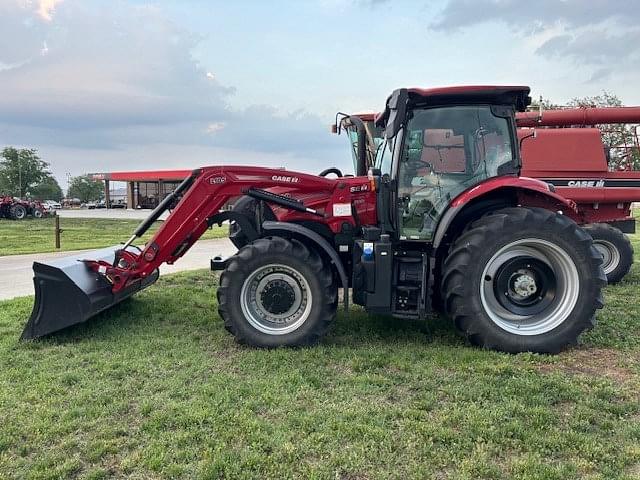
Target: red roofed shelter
<point x="145" y="189"/>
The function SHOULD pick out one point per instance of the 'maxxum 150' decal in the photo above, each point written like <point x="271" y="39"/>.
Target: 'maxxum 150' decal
<point x="593" y="182"/>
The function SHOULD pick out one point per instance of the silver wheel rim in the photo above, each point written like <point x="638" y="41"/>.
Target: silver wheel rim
<point x="610" y="255"/>
<point x="256" y="308"/>
<point x="551" y="258"/>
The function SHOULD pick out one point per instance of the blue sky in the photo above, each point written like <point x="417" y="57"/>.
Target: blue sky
<point x="117" y="85"/>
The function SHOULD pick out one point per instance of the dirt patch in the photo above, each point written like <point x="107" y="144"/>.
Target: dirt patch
<point x="596" y="362"/>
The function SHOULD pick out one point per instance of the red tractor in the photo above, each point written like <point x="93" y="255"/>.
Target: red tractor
<point x="565" y="149"/>
<point x="14" y="208"/>
<point x="499" y="253"/>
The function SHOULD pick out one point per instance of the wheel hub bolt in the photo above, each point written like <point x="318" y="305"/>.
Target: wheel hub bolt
<point x="525" y="285"/>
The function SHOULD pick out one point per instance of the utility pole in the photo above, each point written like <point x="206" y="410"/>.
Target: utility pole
<point x="19" y="176"/>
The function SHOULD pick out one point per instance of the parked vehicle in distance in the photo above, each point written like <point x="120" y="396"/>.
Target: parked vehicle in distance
<point x="118" y="204"/>
<point x="91" y="205"/>
<point x="52" y="204"/>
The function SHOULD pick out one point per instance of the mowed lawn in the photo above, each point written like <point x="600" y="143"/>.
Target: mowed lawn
<point x="156" y="388"/>
<point x="37" y="235"/>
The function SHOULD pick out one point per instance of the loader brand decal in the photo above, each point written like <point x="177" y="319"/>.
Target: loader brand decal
<point x="217" y="180"/>
<point x="593" y="182"/>
<point x="282" y="178"/>
<point x="360" y="188"/>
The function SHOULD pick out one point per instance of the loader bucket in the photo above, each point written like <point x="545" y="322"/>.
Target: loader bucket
<point x="67" y="292"/>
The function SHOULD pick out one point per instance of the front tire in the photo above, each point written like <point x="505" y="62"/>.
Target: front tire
<point x="18" y="212"/>
<point x="615" y="248"/>
<point x="523" y="279"/>
<point x="277" y="292"/>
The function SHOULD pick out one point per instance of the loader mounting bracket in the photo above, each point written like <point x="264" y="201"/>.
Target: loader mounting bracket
<point x="246" y="225"/>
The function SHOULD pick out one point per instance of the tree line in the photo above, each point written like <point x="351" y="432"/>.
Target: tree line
<point x="24" y="174"/>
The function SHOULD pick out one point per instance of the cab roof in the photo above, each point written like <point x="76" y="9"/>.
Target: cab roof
<point x="493" y="94"/>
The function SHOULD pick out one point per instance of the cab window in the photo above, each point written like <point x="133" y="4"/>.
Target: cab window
<point x="446" y="151"/>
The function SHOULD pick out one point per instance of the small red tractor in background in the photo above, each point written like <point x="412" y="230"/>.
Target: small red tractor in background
<point x="16" y="209"/>
<point x="564" y="149"/>
<point x="499" y="253"/>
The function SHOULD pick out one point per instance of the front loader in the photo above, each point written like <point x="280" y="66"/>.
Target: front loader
<point x="441" y="221"/>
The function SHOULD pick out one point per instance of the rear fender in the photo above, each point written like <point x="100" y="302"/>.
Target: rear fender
<point x="309" y="236"/>
<point x="524" y="191"/>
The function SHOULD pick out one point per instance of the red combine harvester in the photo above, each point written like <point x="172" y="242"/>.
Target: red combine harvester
<point x="565" y="149"/>
<point x="490" y="247"/>
<point x="560" y="147"/>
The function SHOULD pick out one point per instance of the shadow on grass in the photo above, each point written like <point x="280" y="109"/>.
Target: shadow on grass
<point x="195" y="313"/>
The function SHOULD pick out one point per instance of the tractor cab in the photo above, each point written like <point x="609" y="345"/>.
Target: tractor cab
<point x="428" y="146"/>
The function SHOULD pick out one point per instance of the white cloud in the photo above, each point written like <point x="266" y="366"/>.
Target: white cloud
<point x="115" y="79"/>
<point x="46" y="8"/>
<point x="215" y="127"/>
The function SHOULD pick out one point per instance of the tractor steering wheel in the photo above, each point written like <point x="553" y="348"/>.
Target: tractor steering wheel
<point x="327" y="171"/>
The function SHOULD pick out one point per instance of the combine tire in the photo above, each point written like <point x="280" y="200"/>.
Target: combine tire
<point x="247" y="206"/>
<point x="523" y="279"/>
<point x="615" y="248"/>
<point x="37" y="213"/>
<point x="276" y="292"/>
<point x="18" y="212"/>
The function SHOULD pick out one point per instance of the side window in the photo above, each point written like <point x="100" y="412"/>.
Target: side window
<point x="446" y="151"/>
<point x="443" y="150"/>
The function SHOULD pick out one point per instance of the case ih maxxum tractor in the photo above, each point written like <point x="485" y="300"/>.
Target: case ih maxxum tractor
<point x="497" y="252"/>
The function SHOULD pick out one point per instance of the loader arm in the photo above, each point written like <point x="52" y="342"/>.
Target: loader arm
<point x="206" y="191"/>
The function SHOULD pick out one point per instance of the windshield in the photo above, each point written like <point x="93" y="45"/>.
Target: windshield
<point x="447" y="150"/>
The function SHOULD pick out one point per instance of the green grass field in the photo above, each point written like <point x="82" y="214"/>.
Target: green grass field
<point x="156" y="388"/>
<point x="37" y="235"/>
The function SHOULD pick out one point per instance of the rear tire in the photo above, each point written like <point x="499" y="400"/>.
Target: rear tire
<point x="615" y="248"/>
<point x="277" y="292"/>
<point x="18" y="212"/>
<point x="523" y="279"/>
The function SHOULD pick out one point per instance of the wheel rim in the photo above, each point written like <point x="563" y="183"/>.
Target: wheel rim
<point x="529" y="287"/>
<point x="20" y="213"/>
<point x="610" y="255"/>
<point x="276" y="299"/>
